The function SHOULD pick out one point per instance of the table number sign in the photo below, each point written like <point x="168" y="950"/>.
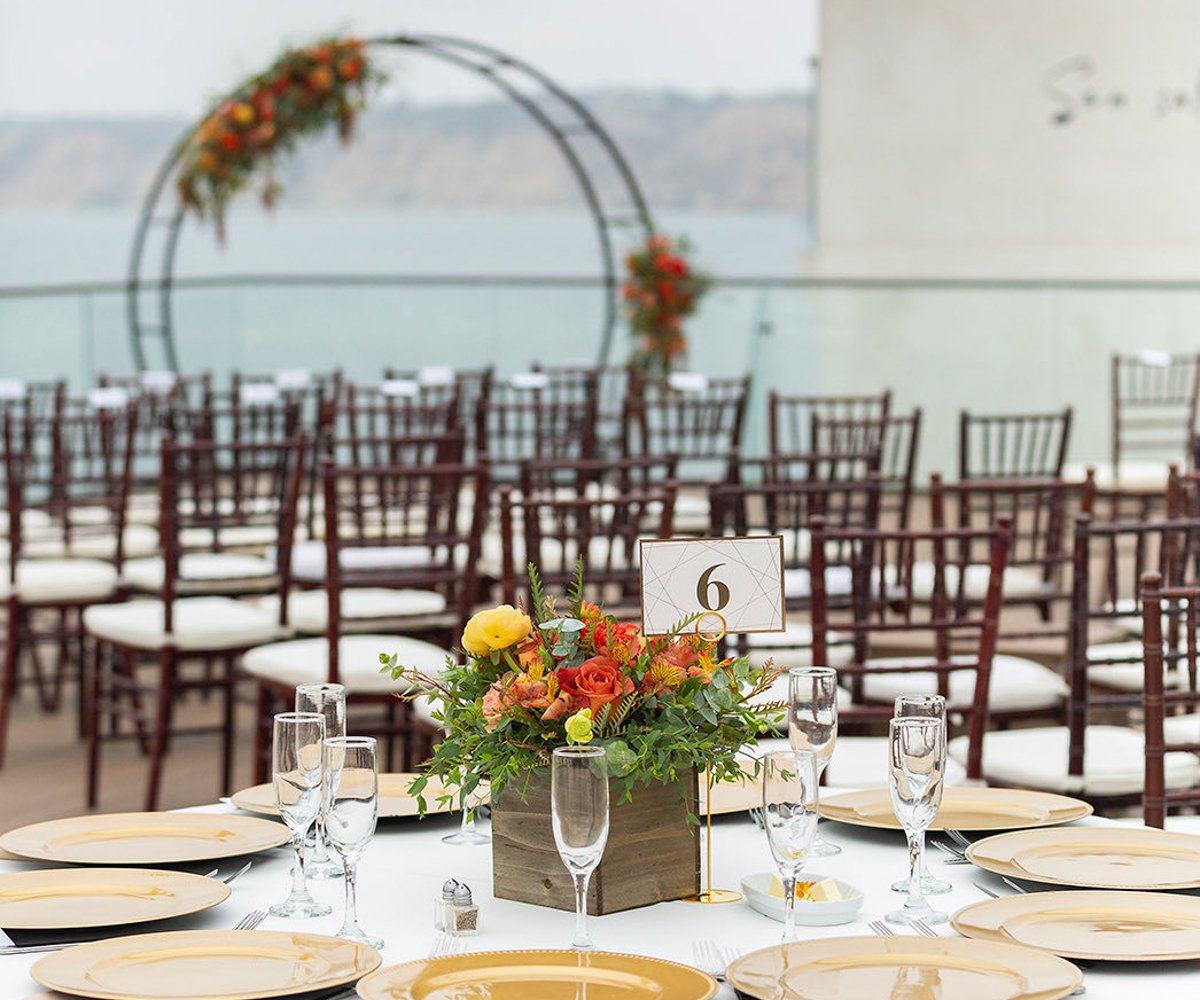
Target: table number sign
<point x="735" y="584"/>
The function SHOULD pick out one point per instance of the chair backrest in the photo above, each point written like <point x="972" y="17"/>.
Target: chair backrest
<point x="700" y="422"/>
<point x="595" y="511"/>
<point x="523" y="420"/>
<point x="895" y="438"/>
<point x="1013" y="445"/>
<point x="1154" y="401"/>
<point x="347" y="427"/>
<point x="416" y="523"/>
<point x="1170" y="619"/>
<point x="881" y="602"/>
<point x="790" y="418"/>
<point x="240" y="419"/>
<point x="437" y="384"/>
<point x="187" y="389"/>
<point x="613" y="384"/>
<point x="75" y="471"/>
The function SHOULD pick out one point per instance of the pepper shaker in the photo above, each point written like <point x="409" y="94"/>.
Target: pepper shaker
<point x="464" y="914"/>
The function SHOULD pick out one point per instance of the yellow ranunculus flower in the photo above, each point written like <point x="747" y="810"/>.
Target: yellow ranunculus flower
<point x="579" y="727"/>
<point x="497" y="628"/>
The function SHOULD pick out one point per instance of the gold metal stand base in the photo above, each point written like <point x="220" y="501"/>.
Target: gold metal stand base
<point x="714" y="896"/>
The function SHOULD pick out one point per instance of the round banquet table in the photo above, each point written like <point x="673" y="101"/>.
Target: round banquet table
<point x="407" y="863"/>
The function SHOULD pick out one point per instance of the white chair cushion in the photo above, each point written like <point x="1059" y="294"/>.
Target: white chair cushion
<point x="860" y="762"/>
<point x="306" y="661"/>
<point x="1113" y="764"/>
<point x="793" y="647"/>
<point x="1139" y="476"/>
<point x="47" y="581"/>
<point x="1182" y="728"/>
<point x="308" y="611"/>
<point x="213" y="570"/>
<point x="1122" y="676"/>
<point x="839" y="581"/>
<point x="1017" y="684"/>
<point x="199" y="623"/>
<point x="691" y="512"/>
<point x="140" y="540"/>
<point x="1019" y="581"/>
<point x="308" y="559"/>
<point x="230" y="537"/>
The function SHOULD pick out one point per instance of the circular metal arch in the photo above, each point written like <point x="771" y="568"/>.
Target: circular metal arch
<point x="576" y="133"/>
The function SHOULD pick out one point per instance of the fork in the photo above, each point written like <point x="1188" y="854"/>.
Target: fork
<point x="250" y="920"/>
<point x="880" y="928"/>
<point x="923" y="928"/>
<point x="445" y="945"/>
<point x="954" y="857"/>
<point x="757" y="816"/>
<point x="958" y="838"/>
<point x="237" y="874"/>
<point x="708" y="957"/>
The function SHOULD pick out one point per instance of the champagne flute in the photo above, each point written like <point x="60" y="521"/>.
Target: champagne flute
<point x="931" y="706"/>
<point x="790" y="782"/>
<point x="296" y="758"/>
<point x="352" y="806"/>
<point x="812" y="725"/>
<point x="579" y="819"/>
<point x="328" y="700"/>
<point x="917" y="758"/>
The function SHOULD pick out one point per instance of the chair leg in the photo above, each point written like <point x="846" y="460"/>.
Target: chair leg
<point x="229" y="682"/>
<point x="162" y="726"/>
<point x="91" y="706"/>
<point x="8" y="680"/>
<point x="262" y="712"/>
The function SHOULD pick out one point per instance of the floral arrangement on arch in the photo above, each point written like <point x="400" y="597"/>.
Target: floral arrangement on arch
<point x="661" y="290"/>
<point x="659" y="705"/>
<point x="303" y="92"/>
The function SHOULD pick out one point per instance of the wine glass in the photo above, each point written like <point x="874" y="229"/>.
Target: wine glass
<point x="468" y="833"/>
<point x="917" y="758"/>
<point x="328" y="700"/>
<point x="296" y="758"/>
<point x="579" y="819"/>
<point x="352" y="805"/>
<point x="932" y="706"/>
<point x="790" y="781"/>
<point x="812" y="725"/>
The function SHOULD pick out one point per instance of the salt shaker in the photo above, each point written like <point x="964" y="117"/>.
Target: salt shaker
<point x="443" y="918"/>
<point x="463" y="913"/>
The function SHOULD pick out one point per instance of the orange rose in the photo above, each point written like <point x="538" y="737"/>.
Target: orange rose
<point x="598" y="680"/>
<point x="623" y="642"/>
<point x="320" y="79"/>
<point x="512" y="692"/>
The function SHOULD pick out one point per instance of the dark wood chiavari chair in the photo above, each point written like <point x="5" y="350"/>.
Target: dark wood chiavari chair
<point x="790" y="418"/>
<point x="185" y="621"/>
<point x="1171" y="696"/>
<point x="881" y="604"/>
<point x="1013" y="445"/>
<point x="1154" y="402"/>
<point x="395" y="536"/>
<point x="437" y="383"/>
<point x="612" y="386"/>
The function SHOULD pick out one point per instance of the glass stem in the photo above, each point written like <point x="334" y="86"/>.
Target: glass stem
<point x="468" y="819"/>
<point x="320" y="853"/>
<point x="299" y="889"/>
<point x="581" y="928"/>
<point x="789" y="907"/>
<point x="916" y="862"/>
<point x="350" y="923"/>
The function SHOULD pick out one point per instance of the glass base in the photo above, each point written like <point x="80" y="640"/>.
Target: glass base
<point x="299" y="909"/>
<point x="908" y="917"/>
<point x="467" y="837"/>
<point x="361" y="938"/>
<point x="329" y="868"/>
<point x="930" y="886"/>
<point x="822" y="849"/>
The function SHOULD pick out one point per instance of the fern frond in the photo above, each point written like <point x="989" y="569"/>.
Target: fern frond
<point x="537" y="593"/>
<point x="575" y="591"/>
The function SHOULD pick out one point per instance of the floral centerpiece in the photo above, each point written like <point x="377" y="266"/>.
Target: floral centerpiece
<point x="303" y="92"/>
<point x="664" y="708"/>
<point x="661" y="290"/>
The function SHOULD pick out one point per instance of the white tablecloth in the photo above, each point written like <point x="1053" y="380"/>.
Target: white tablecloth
<point x="407" y="863"/>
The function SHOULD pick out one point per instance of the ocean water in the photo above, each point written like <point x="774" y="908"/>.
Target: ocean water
<point x="986" y="350"/>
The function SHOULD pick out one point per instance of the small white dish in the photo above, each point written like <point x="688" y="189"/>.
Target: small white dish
<point x="808" y="912"/>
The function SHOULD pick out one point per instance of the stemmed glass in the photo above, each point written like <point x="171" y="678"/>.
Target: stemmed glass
<point x="930" y="706"/>
<point x="579" y="819"/>
<point x="468" y="833"/>
<point x="296" y="759"/>
<point x="790" y="781"/>
<point x="917" y="758"/>
<point x="352" y="805"/>
<point x="812" y="725"/>
<point x="328" y="700"/>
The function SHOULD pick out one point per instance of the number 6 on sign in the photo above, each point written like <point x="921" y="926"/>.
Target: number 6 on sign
<point x="739" y="580"/>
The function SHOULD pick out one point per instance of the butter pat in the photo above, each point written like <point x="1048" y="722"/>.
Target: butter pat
<point x="825" y="891"/>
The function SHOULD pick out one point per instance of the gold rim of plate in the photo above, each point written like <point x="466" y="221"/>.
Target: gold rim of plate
<point x="971" y="809"/>
<point x="617" y="976"/>
<point x="875" y="966"/>
<point x="221" y="963"/>
<point x="1102" y="924"/>
<point x="144" y="838"/>
<point x="1089" y="857"/>
<point x="65" y="898"/>
<point x="394" y="800"/>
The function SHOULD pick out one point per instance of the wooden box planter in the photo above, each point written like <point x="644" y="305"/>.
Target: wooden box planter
<point x="652" y="855"/>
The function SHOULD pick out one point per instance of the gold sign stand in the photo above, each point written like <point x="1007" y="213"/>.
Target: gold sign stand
<point x="709" y="894"/>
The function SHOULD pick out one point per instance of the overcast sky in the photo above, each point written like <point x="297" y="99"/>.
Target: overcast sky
<point x="168" y="57"/>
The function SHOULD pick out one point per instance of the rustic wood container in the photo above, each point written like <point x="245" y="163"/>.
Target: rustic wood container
<point x="652" y="855"/>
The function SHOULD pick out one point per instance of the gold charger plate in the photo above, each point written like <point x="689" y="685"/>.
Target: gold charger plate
<point x="144" y="838"/>
<point x="205" y="965"/>
<point x="902" y="966"/>
<point x="1108" y="857"/>
<point x="394" y="799"/>
<point x="539" y="975"/>
<point x="61" y="898"/>
<point x="961" y="809"/>
<point x="1106" y="925"/>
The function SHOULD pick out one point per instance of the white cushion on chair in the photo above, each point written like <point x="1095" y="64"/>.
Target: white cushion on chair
<point x="860" y="762"/>
<point x="1140" y="475"/>
<point x="308" y="558"/>
<point x="691" y="512"/>
<point x="1114" y="761"/>
<point x="140" y="540"/>
<point x="199" y="623"/>
<point x="229" y="569"/>
<point x="1123" y="676"/>
<point x="46" y="581"/>
<point x="839" y="581"/>
<point x="1017" y="684"/>
<point x="308" y="610"/>
<point x="230" y="536"/>
<point x="1019" y="581"/>
<point x="1182" y="728"/>
<point x="793" y="647"/>
<point x="306" y="661"/>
